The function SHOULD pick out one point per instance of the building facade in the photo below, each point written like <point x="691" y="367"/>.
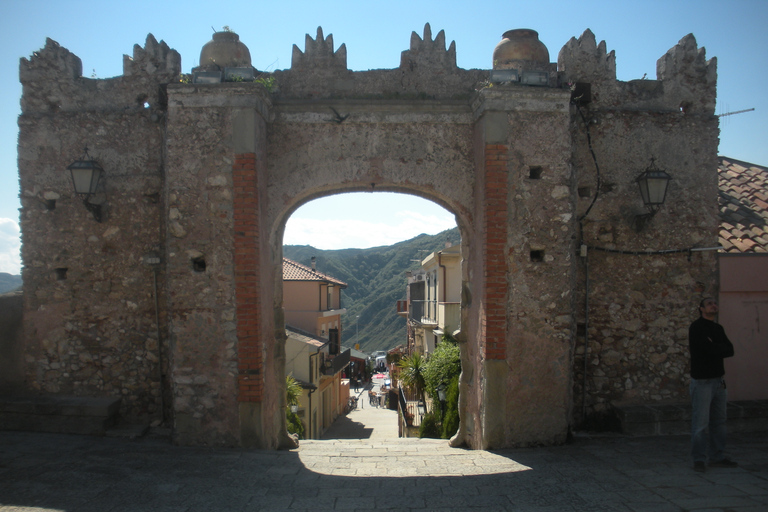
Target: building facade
<point x="437" y="310"/>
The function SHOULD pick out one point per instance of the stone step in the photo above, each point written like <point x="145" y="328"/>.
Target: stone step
<point x="668" y="419"/>
<point x="59" y="414"/>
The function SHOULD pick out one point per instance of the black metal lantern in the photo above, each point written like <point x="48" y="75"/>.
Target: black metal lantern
<point x="441" y="392"/>
<point x="653" y="186"/>
<point x="86" y="173"/>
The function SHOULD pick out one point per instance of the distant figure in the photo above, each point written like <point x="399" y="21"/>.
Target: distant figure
<point x="708" y="345"/>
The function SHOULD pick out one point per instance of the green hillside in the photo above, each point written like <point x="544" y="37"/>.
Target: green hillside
<point x="376" y="281"/>
<point x="9" y="282"/>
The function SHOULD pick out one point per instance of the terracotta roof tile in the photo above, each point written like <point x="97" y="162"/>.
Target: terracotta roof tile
<point x="743" y="206"/>
<point x="293" y="271"/>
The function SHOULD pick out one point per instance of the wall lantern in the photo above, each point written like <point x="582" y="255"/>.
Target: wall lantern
<point x="441" y="392"/>
<point x="653" y="183"/>
<point x="86" y="173"/>
<point x="653" y="186"/>
<point x="294" y="408"/>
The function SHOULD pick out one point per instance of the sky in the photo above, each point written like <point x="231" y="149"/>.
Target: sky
<point x="640" y="32"/>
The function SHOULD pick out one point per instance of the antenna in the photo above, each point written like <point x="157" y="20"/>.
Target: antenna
<point x="737" y="112"/>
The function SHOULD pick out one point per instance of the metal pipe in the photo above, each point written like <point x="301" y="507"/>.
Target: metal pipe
<point x="159" y="344"/>
<point x="586" y="337"/>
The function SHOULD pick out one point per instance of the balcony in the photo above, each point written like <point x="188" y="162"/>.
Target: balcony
<point x="402" y="308"/>
<point x="423" y="312"/>
<point x="431" y="313"/>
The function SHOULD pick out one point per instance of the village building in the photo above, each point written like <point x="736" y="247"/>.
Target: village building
<point x="161" y="283"/>
<point x="314" y="356"/>
<point x="433" y="304"/>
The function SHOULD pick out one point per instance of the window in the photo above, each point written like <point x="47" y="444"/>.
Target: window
<point x="333" y="341"/>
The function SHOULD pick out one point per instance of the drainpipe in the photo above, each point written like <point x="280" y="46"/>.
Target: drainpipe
<point x="309" y="413"/>
<point x="153" y="260"/>
<point x="159" y="345"/>
<point x="440" y="264"/>
<point x="586" y="334"/>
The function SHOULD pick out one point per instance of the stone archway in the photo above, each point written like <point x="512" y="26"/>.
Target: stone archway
<point x="442" y="151"/>
<point x="280" y="359"/>
<point x="202" y="174"/>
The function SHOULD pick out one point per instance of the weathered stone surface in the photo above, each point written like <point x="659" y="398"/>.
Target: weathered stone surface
<point x="206" y="175"/>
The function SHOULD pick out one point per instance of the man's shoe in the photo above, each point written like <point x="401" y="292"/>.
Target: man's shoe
<point x="723" y="463"/>
<point x="699" y="466"/>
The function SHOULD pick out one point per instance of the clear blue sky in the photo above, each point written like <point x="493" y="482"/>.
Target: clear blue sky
<point x="100" y="32"/>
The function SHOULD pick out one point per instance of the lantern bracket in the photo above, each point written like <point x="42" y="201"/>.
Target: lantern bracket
<point x="86" y="174"/>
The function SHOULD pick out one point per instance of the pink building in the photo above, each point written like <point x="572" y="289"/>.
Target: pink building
<point x="744" y="275"/>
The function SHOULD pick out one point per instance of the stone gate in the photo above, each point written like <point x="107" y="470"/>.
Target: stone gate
<point x="172" y="299"/>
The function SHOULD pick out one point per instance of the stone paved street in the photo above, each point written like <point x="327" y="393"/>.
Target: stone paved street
<point x="47" y="472"/>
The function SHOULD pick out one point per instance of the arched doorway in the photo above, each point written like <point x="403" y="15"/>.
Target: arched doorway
<point x="279" y="299"/>
<point x="346" y="257"/>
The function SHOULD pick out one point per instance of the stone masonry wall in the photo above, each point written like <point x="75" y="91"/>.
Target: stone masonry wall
<point x="640" y="305"/>
<point x="205" y="176"/>
<point x="89" y="320"/>
<point x="203" y="322"/>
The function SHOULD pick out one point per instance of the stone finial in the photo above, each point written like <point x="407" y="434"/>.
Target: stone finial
<point x="426" y="53"/>
<point x="318" y="53"/>
<point x="154" y="58"/>
<point x="583" y="60"/>
<point x="53" y="62"/>
<point x="689" y="76"/>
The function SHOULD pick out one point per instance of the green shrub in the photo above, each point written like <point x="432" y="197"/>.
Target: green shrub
<point x="293" y="424"/>
<point x="429" y="427"/>
<point x="451" y="419"/>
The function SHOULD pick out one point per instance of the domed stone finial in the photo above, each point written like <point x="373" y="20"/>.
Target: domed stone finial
<point x="224" y="51"/>
<point x="521" y="49"/>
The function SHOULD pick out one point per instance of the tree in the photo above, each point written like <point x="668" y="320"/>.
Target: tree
<point x="293" y="393"/>
<point x="443" y="366"/>
<point x="412" y="374"/>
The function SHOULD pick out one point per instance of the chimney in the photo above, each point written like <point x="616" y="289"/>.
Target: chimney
<point x="314" y="261"/>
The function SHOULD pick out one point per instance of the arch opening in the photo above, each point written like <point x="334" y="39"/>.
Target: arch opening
<point x="360" y="246"/>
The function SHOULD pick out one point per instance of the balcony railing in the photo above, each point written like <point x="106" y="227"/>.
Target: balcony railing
<point x="423" y="311"/>
<point x="433" y="313"/>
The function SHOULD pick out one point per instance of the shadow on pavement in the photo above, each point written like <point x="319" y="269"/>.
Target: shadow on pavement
<point x="47" y="472"/>
<point x="345" y="428"/>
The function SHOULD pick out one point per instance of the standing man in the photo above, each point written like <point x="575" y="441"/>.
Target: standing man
<point x="708" y="346"/>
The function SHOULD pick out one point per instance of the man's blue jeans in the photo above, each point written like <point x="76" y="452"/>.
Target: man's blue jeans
<point x="709" y="400"/>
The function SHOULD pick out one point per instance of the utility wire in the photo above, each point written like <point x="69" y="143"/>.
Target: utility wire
<point x="594" y="159"/>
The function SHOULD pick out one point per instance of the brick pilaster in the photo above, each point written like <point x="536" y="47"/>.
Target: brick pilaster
<point x="246" y="246"/>
<point x="494" y="251"/>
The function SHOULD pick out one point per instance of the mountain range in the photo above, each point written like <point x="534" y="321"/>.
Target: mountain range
<point x="9" y="282"/>
<point x="375" y="280"/>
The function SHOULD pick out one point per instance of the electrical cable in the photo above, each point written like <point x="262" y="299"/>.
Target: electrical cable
<point x="594" y="159"/>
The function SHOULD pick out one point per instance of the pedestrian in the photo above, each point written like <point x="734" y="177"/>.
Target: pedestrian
<point x="708" y="345"/>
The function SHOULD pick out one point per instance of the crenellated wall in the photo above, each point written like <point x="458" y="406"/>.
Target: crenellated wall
<point x="89" y="298"/>
<point x="204" y="175"/>
<point x="640" y="305"/>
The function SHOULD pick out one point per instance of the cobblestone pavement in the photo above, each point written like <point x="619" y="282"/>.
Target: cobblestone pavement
<point x="54" y="472"/>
